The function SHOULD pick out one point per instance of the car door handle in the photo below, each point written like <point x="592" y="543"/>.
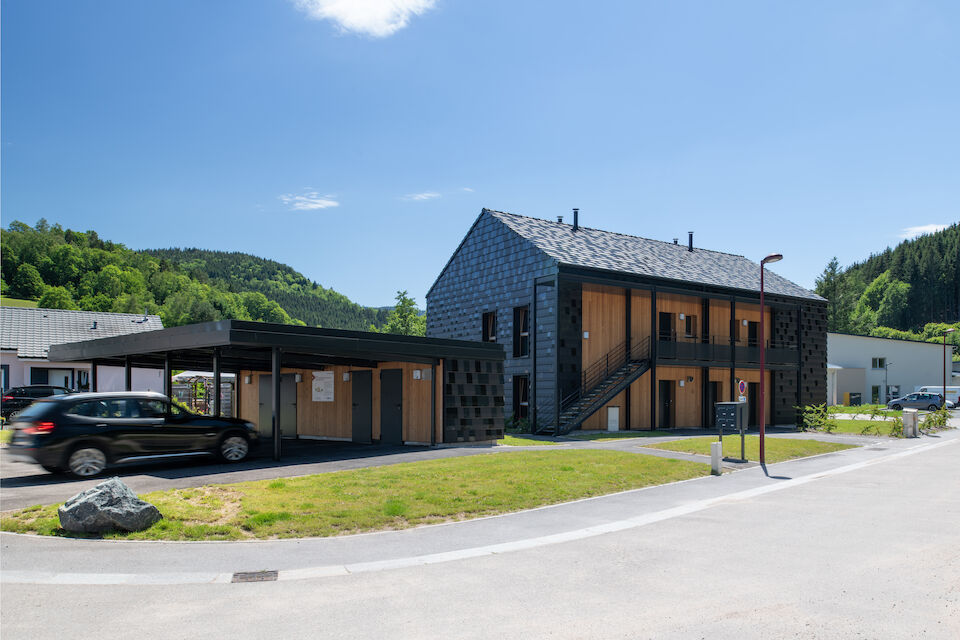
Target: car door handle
<point x="101" y="424"/>
<point x="209" y="434"/>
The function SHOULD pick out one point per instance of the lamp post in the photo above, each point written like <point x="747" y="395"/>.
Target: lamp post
<point x="773" y="257"/>
<point x="886" y="382"/>
<point x="945" y="332"/>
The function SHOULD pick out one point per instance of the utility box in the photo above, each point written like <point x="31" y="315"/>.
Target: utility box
<point x="911" y="426"/>
<point x="730" y="416"/>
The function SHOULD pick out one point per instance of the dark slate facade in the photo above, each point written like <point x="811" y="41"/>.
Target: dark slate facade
<point x="494" y="269"/>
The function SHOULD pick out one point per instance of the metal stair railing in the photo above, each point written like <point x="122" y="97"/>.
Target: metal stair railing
<point x="600" y="371"/>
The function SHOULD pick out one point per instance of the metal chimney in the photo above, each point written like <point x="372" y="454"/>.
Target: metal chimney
<point x="560" y="219"/>
<point x="676" y="241"/>
<point x="690" y="241"/>
<point x="576" y="219"/>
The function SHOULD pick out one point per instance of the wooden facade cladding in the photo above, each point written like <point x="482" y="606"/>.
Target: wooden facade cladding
<point x="334" y="420"/>
<point x="604" y="321"/>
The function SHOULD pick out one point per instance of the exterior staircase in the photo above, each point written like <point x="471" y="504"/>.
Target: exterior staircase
<point x="601" y="382"/>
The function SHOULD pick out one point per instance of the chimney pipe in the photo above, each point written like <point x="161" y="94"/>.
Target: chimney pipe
<point x="576" y="219"/>
<point x="560" y="219"/>
<point x="676" y="241"/>
<point x="690" y="241"/>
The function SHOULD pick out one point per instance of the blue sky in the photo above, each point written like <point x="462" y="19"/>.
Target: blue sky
<point x="358" y="140"/>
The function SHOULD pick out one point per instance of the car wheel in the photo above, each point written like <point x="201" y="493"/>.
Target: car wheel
<point x="86" y="462"/>
<point x="234" y="448"/>
<point x="896" y="407"/>
<point x="932" y="407"/>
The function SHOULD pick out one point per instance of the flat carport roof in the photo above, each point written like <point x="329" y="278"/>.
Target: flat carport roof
<point x="238" y="345"/>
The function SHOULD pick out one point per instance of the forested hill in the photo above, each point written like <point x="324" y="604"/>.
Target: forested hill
<point x="301" y="298"/>
<point x="67" y="269"/>
<point x="911" y="291"/>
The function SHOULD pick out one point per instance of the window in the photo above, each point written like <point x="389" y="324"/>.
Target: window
<point x="875" y="394"/>
<point x="878" y="363"/>
<point x="521" y="332"/>
<point x="152" y="408"/>
<point x="90" y="409"/>
<point x="490" y="326"/>
<point x="666" y="326"/>
<point x="690" y="326"/>
<point x="521" y="397"/>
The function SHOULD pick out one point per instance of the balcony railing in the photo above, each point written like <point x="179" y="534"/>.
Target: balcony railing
<point x="674" y="346"/>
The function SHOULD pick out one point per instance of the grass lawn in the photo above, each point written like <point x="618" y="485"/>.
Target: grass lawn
<point x="864" y="427"/>
<point x="600" y="436"/>
<point x="864" y="409"/>
<point x="778" y="449"/>
<point x="6" y="436"/>
<point x="390" y="497"/>
<point x="17" y="302"/>
<point x="520" y="441"/>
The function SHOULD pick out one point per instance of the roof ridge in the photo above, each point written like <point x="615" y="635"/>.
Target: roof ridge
<point x="615" y="233"/>
<point x="102" y="313"/>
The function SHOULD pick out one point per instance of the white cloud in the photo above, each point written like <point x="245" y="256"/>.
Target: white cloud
<point x="427" y="195"/>
<point x="468" y="189"/>
<point x="308" y="201"/>
<point x="913" y="232"/>
<point x="377" y="18"/>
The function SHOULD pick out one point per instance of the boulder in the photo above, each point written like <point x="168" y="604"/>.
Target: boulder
<point x="109" y="506"/>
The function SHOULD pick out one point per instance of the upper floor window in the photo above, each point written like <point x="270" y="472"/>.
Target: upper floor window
<point x="521" y="331"/>
<point x="878" y="363"/>
<point x="521" y="397"/>
<point x="490" y="326"/>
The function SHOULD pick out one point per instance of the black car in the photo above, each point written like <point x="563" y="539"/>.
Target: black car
<point x="18" y="398"/>
<point x="82" y="433"/>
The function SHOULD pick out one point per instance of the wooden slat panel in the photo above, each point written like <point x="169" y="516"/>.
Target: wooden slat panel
<point x="689" y="398"/>
<point x="604" y="318"/>
<point x="720" y="320"/>
<point x="640" y="315"/>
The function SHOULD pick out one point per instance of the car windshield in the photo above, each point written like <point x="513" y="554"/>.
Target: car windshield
<point x="34" y="411"/>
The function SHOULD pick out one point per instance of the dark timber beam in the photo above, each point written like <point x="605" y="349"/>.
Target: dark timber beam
<point x="127" y="374"/>
<point x="93" y="375"/>
<point x="733" y="349"/>
<point x="433" y="402"/>
<point x="654" y="338"/>
<point x="627" y="298"/>
<point x="275" y="405"/>
<point x="216" y="382"/>
<point x="167" y="375"/>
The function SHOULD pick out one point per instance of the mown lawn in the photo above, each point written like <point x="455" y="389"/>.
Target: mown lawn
<point x="521" y="441"/>
<point x="17" y="302"/>
<point x="778" y="449"/>
<point x="389" y="497"/>
<point x="600" y="436"/>
<point x="864" y="427"/>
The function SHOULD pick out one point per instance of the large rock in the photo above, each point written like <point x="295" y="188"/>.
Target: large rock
<point x="109" y="506"/>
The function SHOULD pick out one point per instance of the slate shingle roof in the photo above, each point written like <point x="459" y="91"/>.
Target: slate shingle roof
<point x="31" y="331"/>
<point x="596" y="249"/>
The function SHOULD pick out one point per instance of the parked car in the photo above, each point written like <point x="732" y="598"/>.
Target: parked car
<point x="83" y="433"/>
<point x="17" y="398"/>
<point x="917" y="400"/>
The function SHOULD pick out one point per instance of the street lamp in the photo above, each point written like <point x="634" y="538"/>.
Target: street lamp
<point x="886" y="382"/>
<point x="773" y="257"/>
<point x="945" y="332"/>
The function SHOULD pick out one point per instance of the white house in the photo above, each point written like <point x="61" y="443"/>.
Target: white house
<point x="880" y="369"/>
<point x="26" y="336"/>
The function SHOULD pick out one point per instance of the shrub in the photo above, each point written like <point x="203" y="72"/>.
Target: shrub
<point x="896" y="428"/>
<point x="815" y="417"/>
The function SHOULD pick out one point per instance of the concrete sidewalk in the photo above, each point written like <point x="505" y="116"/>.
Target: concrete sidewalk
<point x="29" y="559"/>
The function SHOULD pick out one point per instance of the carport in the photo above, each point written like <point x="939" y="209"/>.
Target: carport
<point x="417" y="378"/>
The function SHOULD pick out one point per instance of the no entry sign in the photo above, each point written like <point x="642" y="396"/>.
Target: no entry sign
<point x="742" y="387"/>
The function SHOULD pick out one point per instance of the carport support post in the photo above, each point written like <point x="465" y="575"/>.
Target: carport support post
<point x="93" y="375"/>
<point x="127" y="374"/>
<point x="167" y="375"/>
<point x="275" y="370"/>
<point x="433" y="403"/>
<point x="216" y="382"/>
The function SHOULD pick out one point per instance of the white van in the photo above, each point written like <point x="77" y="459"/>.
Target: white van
<point x="953" y="393"/>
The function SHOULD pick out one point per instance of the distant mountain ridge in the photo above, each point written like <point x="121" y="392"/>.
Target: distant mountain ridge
<point x="302" y="298"/>
<point x="66" y="269"/>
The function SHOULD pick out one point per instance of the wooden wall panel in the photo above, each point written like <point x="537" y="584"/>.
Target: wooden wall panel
<point x="751" y="313"/>
<point x="675" y="304"/>
<point x="599" y="419"/>
<point x="689" y="398"/>
<point x="720" y="320"/>
<point x="604" y="318"/>
<point x="723" y="377"/>
<point x="753" y="375"/>
<point x="640" y="315"/>
<point x="640" y="402"/>
<point x="335" y="419"/>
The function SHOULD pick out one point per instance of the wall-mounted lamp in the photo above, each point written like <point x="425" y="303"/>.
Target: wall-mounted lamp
<point x="681" y="382"/>
<point x="417" y="374"/>
<point x="744" y="321"/>
<point x="297" y="377"/>
<point x="247" y="379"/>
<point x="346" y="376"/>
<point x="586" y="335"/>
<point x="682" y="316"/>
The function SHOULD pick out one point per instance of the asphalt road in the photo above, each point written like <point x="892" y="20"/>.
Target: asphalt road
<point x="860" y="544"/>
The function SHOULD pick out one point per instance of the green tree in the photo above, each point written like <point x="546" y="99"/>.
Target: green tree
<point x="405" y="319"/>
<point x="28" y="283"/>
<point x="894" y="305"/>
<point x="56" y="298"/>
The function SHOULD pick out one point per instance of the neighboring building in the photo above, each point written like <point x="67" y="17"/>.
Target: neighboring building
<point x="880" y="369"/>
<point x="27" y="334"/>
<point x="609" y="331"/>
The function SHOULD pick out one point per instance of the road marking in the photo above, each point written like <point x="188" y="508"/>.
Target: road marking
<point x="326" y="571"/>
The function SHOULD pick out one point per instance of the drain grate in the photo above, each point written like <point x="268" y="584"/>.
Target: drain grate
<point x="255" y="576"/>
